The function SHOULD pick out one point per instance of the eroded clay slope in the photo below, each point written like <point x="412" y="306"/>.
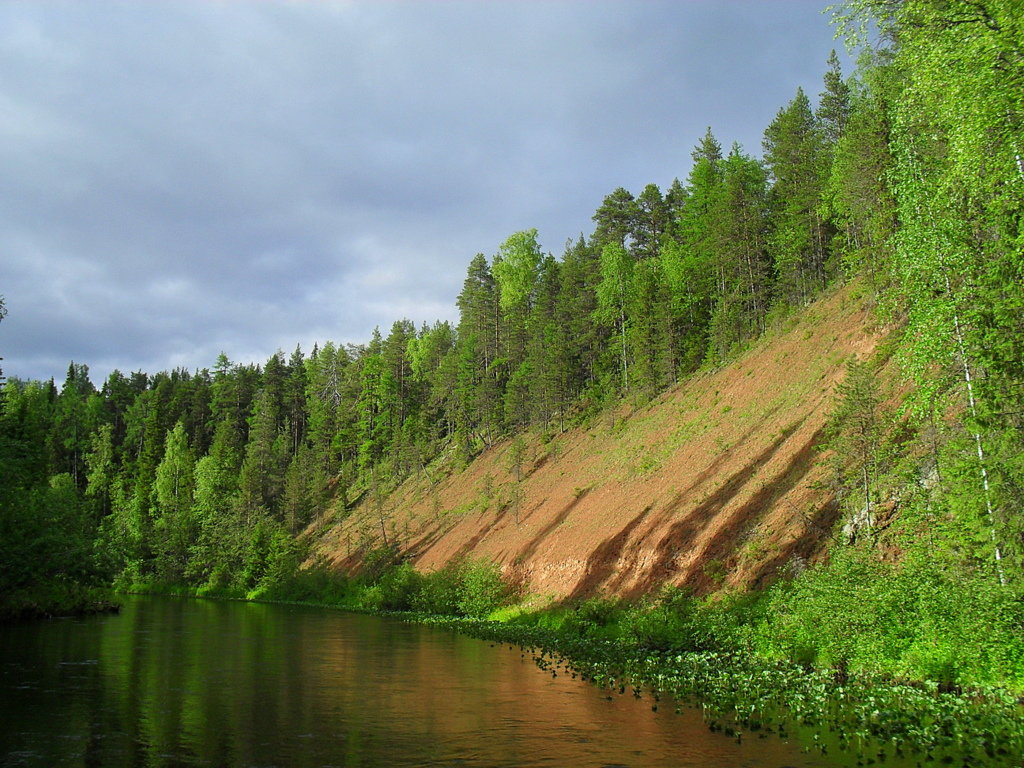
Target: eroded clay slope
<point x="718" y="481"/>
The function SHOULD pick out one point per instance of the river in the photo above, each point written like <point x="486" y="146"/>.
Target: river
<point x="176" y="682"/>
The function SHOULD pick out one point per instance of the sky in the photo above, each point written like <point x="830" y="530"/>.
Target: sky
<point x="180" y="179"/>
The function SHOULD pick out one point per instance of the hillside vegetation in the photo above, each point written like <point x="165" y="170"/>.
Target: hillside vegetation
<point x="820" y="346"/>
<point x="719" y="482"/>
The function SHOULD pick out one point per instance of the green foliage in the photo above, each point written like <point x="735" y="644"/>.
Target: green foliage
<point x="396" y="589"/>
<point x="674" y="621"/>
<point x="316" y="584"/>
<point x="191" y="477"/>
<point x="868" y="717"/>
<point x="473" y="588"/>
<point x="794" y="154"/>
<point x="483" y="589"/>
<point x="856" y="434"/>
<point x="739" y="231"/>
<point x="921" y="620"/>
<point x="516" y="269"/>
<point x="612" y="295"/>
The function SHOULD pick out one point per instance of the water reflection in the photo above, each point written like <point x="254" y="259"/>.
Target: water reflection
<point x="187" y="682"/>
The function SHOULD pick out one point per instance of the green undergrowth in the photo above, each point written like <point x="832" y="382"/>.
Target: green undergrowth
<point x="716" y="654"/>
<point x="470" y="588"/>
<point x="55" y="598"/>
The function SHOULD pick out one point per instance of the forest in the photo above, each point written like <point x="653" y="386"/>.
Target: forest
<point x="906" y="175"/>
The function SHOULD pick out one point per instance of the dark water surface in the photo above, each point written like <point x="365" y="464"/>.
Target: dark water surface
<point x="198" y="682"/>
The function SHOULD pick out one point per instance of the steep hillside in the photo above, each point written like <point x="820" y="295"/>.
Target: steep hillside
<point x="718" y="481"/>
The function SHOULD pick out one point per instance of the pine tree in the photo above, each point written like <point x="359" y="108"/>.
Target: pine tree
<point x="795" y="156"/>
<point x="325" y="386"/>
<point x="857" y="198"/>
<point x="833" y="111"/>
<point x="612" y="298"/>
<point x="480" y="371"/>
<point x="855" y="433"/>
<point x="616" y="220"/>
<point x="649" y="328"/>
<point x="743" y="264"/>
<point x="378" y="410"/>
<point x="294" y="405"/>
<point x="652" y="221"/>
<point x="689" y="260"/>
<point x="583" y="339"/>
<point x="75" y="417"/>
<point x="261" y="478"/>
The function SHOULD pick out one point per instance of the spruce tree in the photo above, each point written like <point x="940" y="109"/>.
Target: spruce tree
<point x="796" y="158"/>
<point x="743" y="264"/>
<point x="612" y="300"/>
<point x="833" y="111"/>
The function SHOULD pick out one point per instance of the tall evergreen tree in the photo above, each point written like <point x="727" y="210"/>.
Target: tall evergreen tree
<point x="795" y="156"/>
<point x="833" y="111"/>
<point x="616" y="220"/>
<point x="652" y="221"/>
<point x="744" y="267"/>
<point x="857" y="197"/>
<point x="579" y="276"/>
<point x="261" y="478"/>
<point x="689" y="260"/>
<point x="612" y="301"/>
<point x="480" y="371"/>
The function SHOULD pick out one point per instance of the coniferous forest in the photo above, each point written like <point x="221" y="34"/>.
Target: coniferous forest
<point x="906" y="175"/>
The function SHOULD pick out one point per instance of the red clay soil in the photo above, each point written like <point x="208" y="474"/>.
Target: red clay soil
<point x="718" y="482"/>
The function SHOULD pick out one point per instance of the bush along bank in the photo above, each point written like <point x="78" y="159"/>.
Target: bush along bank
<point x="57" y="598"/>
<point x="752" y="661"/>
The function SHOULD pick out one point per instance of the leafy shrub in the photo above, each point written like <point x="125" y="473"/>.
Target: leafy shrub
<point x="316" y="584"/>
<point x="919" y="619"/>
<point x="471" y="588"/>
<point x="483" y="589"/>
<point x="594" y="617"/>
<point x="441" y="592"/>
<point x="671" y="622"/>
<point x="376" y="562"/>
<point x="397" y="588"/>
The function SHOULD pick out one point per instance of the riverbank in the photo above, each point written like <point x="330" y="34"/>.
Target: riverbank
<point x="679" y="651"/>
<point x="868" y="717"/>
<point x="56" y="599"/>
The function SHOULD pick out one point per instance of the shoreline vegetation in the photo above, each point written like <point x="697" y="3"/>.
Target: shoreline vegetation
<point x="680" y="651"/>
<point x="56" y="600"/>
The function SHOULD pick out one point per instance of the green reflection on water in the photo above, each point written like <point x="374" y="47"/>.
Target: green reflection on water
<point x="191" y="682"/>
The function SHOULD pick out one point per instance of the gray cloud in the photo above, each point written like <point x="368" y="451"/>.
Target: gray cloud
<point x="180" y="178"/>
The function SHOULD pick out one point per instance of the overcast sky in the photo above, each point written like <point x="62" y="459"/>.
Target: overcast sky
<point x="179" y="179"/>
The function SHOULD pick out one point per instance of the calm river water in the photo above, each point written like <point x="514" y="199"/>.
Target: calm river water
<point x="173" y="682"/>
